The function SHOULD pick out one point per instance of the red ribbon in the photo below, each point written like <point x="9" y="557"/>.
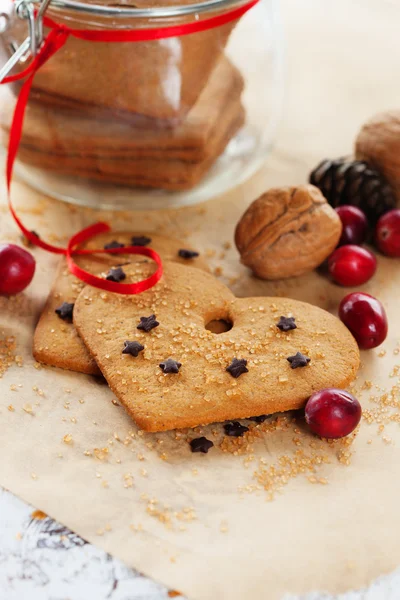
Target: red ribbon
<point x="110" y="286"/>
<point x="55" y="40"/>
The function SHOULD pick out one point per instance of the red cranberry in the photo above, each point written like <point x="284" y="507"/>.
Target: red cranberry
<point x="351" y="265"/>
<point x="387" y="233"/>
<point x="17" y="268"/>
<point x="332" y="413"/>
<point x="365" y="317"/>
<point x="355" y="225"/>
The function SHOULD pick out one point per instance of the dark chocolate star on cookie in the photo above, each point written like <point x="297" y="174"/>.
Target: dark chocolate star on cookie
<point x="286" y="323"/>
<point x="188" y="254"/>
<point x="116" y="275"/>
<point x="201" y="444"/>
<point x="140" y="240"/>
<point x="148" y="323"/>
<point x="132" y="348"/>
<point x="65" y="311"/>
<point x="298" y="360"/>
<point x="235" y="429"/>
<point x="237" y="367"/>
<point x="113" y="244"/>
<point x="170" y="366"/>
<point x="259" y="419"/>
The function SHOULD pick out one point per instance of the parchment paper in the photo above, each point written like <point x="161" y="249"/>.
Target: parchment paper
<point x="279" y="511"/>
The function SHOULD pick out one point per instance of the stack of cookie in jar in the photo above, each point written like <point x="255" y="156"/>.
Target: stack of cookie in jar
<point x="153" y="114"/>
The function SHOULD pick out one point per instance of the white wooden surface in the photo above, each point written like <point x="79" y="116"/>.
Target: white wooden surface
<point x="42" y="560"/>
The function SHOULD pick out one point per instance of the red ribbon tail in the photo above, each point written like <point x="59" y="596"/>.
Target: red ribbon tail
<point x="54" y="41"/>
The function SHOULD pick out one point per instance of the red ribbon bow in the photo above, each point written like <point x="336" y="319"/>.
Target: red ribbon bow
<point x="55" y="40"/>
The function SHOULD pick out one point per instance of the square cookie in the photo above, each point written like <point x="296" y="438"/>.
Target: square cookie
<point x="115" y="151"/>
<point x="56" y="341"/>
<point x="157" y="79"/>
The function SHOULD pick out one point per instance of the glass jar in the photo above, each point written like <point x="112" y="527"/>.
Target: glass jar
<point x="153" y="123"/>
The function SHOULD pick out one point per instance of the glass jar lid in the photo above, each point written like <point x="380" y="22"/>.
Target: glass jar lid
<point x="121" y="11"/>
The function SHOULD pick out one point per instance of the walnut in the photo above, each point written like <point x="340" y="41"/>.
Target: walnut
<point x="378" y="143"/>
<point x="287" y="232"/>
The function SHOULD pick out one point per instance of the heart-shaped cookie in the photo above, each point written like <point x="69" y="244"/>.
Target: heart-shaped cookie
<point x="169" y="370"/>
<point x="56" y="342"/>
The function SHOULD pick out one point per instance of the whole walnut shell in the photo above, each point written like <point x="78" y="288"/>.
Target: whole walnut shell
<point x="378" y="143"/>
<point x="287" y="232"/>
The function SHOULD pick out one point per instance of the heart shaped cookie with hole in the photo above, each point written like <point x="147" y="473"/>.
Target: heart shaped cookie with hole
<point x="56" y="341"/>
<point x="169" y="371"/>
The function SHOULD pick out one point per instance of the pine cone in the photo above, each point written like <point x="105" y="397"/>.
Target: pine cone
<point x="343" y="181"/>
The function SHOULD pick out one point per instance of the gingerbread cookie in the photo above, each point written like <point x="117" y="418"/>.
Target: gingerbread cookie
<point x="56" y="341"/>
<point x="160" y="79"/>
<point x="120" y="152"/>
<point x="179" y="374"/>
<point x="164" y="174"/>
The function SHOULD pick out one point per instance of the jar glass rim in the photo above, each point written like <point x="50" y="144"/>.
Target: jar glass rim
<point x="140" y="13"/>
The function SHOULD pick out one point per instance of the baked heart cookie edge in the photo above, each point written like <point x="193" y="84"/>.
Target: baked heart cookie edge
<point x="55" y="341"/>
<point x="201" y="390"/>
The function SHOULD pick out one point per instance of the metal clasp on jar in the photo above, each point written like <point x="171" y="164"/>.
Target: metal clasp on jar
<point x="25" y="9"/>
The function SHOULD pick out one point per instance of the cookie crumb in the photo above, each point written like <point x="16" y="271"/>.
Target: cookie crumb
<point x="101" y="453"/>
<point x="224" y="527"/>
<point x="128" y="480"/>
<point x="39" y="515"/>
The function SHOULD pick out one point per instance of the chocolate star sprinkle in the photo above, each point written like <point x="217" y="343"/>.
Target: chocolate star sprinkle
<point x="148" y="323"/>
<point x="116" y="275"/>
<point x="201" y="444"/>
<point x="237" y="367"/>
<point x="113" y="244"/>
<point x="140" y="240"/>
<point x="298" y="360"/>
<point x="259" y="419"/>
<point x="65" y="310"/>
<point x="187" y="253"/>
<point x="132" y="348"/>
<point x="286" y="323"/>
<point x="170" y="366"/>
<point x="235" y="429"/>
